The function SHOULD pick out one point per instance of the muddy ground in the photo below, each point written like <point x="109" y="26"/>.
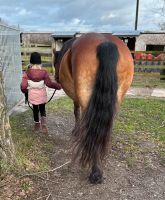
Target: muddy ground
<point x="70" y="182"/>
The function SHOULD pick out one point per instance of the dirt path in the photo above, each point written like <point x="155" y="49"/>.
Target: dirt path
<point x="121" y="182"/>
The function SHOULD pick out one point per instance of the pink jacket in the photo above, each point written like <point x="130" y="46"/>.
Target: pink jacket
<point x="34" y="81"/>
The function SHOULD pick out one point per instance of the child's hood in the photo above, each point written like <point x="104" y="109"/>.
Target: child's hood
<point x="36" y="74"/>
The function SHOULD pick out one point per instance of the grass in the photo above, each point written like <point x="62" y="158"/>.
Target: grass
<point x="139" y="129"/>
<point x="142" y="115"/>
<point x="30" y="149"/>
<point x="63" y="104"/>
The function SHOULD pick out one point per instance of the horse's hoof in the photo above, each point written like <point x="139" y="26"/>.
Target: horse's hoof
<point x="96" y="178"/>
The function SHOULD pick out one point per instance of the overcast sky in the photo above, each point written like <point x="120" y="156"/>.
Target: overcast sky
<point x="80" y="15"/>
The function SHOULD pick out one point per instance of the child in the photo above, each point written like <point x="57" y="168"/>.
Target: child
<point x="34" y="81"/>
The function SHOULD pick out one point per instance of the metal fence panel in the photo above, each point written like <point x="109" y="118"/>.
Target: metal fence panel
<point x="10" y="63"/>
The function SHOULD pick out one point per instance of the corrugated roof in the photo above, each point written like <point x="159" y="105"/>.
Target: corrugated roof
<point x="117" y="33"/>
<point x="126" y="33"/>
<point x="36" y="32"/>
<point x="63" y="34"/>
<point x="153" y="32"/>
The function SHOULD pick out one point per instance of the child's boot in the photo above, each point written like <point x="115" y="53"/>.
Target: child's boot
<point x="37" y="126"/>
<point x="44" y="125"/>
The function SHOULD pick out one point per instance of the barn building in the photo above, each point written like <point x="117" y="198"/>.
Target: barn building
<point x="150" y="41"/>
<point x="135" y="40"/>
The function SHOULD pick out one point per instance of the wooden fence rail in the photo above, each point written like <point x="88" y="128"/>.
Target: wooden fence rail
<point x="44" y="49"/>
<point x="145" y="61"/>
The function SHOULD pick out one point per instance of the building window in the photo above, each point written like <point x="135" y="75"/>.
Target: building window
<point x="150" y="47"/>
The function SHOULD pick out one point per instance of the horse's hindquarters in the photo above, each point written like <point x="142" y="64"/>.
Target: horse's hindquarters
<point x="84" y="66"/>
<point x="65" y="75"/>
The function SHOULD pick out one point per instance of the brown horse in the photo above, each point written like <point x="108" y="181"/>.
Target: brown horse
<point x="96" y="70"/>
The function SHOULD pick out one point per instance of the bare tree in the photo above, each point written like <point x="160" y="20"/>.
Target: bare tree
<point x="7" y="151"/>
<point x="160" y="10"/>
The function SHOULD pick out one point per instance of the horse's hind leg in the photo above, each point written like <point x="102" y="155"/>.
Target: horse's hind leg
<point x="96" y="175"/>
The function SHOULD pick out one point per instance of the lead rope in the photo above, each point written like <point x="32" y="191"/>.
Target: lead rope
<point x="52" y="96"/>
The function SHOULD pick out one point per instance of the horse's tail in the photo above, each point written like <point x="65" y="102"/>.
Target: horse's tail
<point x="93" y="132"/>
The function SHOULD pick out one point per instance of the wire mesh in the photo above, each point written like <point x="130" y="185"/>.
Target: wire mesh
<point x="10" y="64"/>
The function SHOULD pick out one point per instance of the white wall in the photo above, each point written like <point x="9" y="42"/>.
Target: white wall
<point x="152" y="39"/>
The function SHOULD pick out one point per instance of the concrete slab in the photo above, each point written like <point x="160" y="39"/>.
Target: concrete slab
<point x="139" y="91"/>
<point x="58" y="93"/>
<point x="158" y="93"/>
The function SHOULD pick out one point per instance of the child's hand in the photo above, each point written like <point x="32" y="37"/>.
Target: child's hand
<point x="58" y="86"/>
